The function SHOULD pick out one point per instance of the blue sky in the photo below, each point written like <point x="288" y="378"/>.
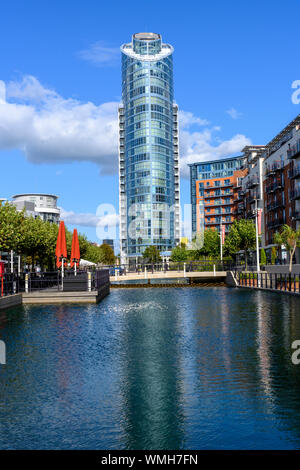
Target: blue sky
<point x="234" y="64"/>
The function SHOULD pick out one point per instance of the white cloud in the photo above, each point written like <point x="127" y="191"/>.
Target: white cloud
<point x="233" y="113"/>
<point x="200" y="147"/>
<point x="30" y="89"/>
<point x="100" y="54"/>
<point x="187" y="119"/>
<point x="49" y="128"/>
<point x="89" y="219"/>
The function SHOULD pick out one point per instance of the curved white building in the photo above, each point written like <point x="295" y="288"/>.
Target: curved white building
<point x="38" y="205"/>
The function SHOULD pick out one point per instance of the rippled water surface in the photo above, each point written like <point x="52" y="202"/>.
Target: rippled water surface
<point x="201" y="368"/>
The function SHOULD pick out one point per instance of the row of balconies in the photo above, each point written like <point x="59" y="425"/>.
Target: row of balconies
<point x="295" y="193"/>
<point x="221" y="185"/>
<point x="222" y="193"/>
<point x="218" y="213"/>
<point x="276" y="222"/>
<point x="273" y="187"/>
<point x="219" y="203"/>
<point x="274" y="205"/>
<point x="276" y="166"/>
<point x="218" y="223"/>
<point x="295" y="172"/>
<point x="252" y="182"/>
<point x="294" y="151"/>
<point x="296" y="215"/>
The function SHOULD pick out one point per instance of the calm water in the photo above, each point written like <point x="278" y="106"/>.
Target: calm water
<point x="200" y="368"/>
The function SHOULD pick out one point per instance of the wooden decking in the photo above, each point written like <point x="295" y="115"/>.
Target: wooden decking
<point x="58" y="297"/>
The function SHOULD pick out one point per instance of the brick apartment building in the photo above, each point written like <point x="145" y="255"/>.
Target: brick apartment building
<point x="282" y="181"/>
<point x="214" y="192"/>
<point x="264" y="177"/>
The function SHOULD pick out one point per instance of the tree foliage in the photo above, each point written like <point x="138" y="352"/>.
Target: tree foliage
<point x="11" y="228"/>
<point x="151" y="254"/>
<point x="290" y="239"/>
<point x="36" y="239"/>
<point x="211" y="245"/>
<point x="242" y="236"/>
<point x="179" y="253"/>
<point x="273" y="255"/>
<point x="263" y="257"/>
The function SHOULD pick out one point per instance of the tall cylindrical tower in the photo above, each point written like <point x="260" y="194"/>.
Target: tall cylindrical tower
<point x="149" y="173"/>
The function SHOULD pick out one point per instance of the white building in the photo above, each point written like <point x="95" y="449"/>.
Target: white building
<point x="38" y="205"/>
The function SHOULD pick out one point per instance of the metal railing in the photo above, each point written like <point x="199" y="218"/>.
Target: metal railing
<point x="206" y="265"/>
<point x="52" y="280"/>
<point x="9" y="284"/>
<point x="275" y="281"/>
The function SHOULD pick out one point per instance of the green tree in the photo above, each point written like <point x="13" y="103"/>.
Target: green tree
<point x="107" y="253"/>
<point x="39" y="240"/>
<point x="290" y="239"/>
<point x="273" y="255"/>
<point x="11" y="228"/>
<point x="179" y="253"/>
<point x="242" y="236"/>
<point x="93" y="254"/>
<point x="263" y="257"/>
<point x="211" y="245"/>
<point x="151" y="254"/>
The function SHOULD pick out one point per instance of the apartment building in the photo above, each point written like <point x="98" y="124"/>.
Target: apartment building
<point x="250" y="192"/>
<point x="265" y="177"/>
<point x="282" y="181"/>
<point x="214" y="192"/>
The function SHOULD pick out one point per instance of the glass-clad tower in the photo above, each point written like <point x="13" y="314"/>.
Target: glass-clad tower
<point x="148" y="148"/>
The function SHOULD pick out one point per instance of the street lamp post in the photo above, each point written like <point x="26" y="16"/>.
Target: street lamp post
<point x="257" y="242"/>
<point x="221" y="241"/>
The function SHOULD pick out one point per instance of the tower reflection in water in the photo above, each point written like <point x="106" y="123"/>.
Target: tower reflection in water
<point x="152" y="386"/>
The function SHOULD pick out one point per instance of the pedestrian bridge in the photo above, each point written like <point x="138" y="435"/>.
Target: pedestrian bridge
<point x="168" y="276"/>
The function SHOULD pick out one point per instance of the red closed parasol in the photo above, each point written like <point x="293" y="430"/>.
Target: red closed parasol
<point x="75" y="251"/>
<point x="61" y="244"/>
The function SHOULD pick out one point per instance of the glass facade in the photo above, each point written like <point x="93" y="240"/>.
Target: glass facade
<point x="146" y="117"/>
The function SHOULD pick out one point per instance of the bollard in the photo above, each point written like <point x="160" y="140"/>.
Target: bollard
<point x="89" y="281"/>
<point x="26" y="283"/>
<point x="145" y="272"/>
<point x="214" y="269"/>
<point x="184" y="265"/>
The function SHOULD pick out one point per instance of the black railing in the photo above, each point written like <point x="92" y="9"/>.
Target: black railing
<point x="12" y="283"/>
<point x="275" y="281"/>
<point x="9" y="284"/>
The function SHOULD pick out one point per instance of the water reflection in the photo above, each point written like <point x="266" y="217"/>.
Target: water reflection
<point x="153" y="368"/>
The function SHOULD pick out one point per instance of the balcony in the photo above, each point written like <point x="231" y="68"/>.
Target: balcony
<point x="296" y="215"/>
<point x="222" y="194"/>
<point x="250" y="214"/>
<point x="295" y="194"/>
<point x="274" y="187"/>
<point x="295" y="172"/>
<point x="221" y="185"/>
<point x="294" y="151"/>
<point x="252" y="183"/>
<point x="276" y="223"/>
<point x="224" y="222"/>
<point x="276" y="166"/>
<point x="274" y="205"/>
